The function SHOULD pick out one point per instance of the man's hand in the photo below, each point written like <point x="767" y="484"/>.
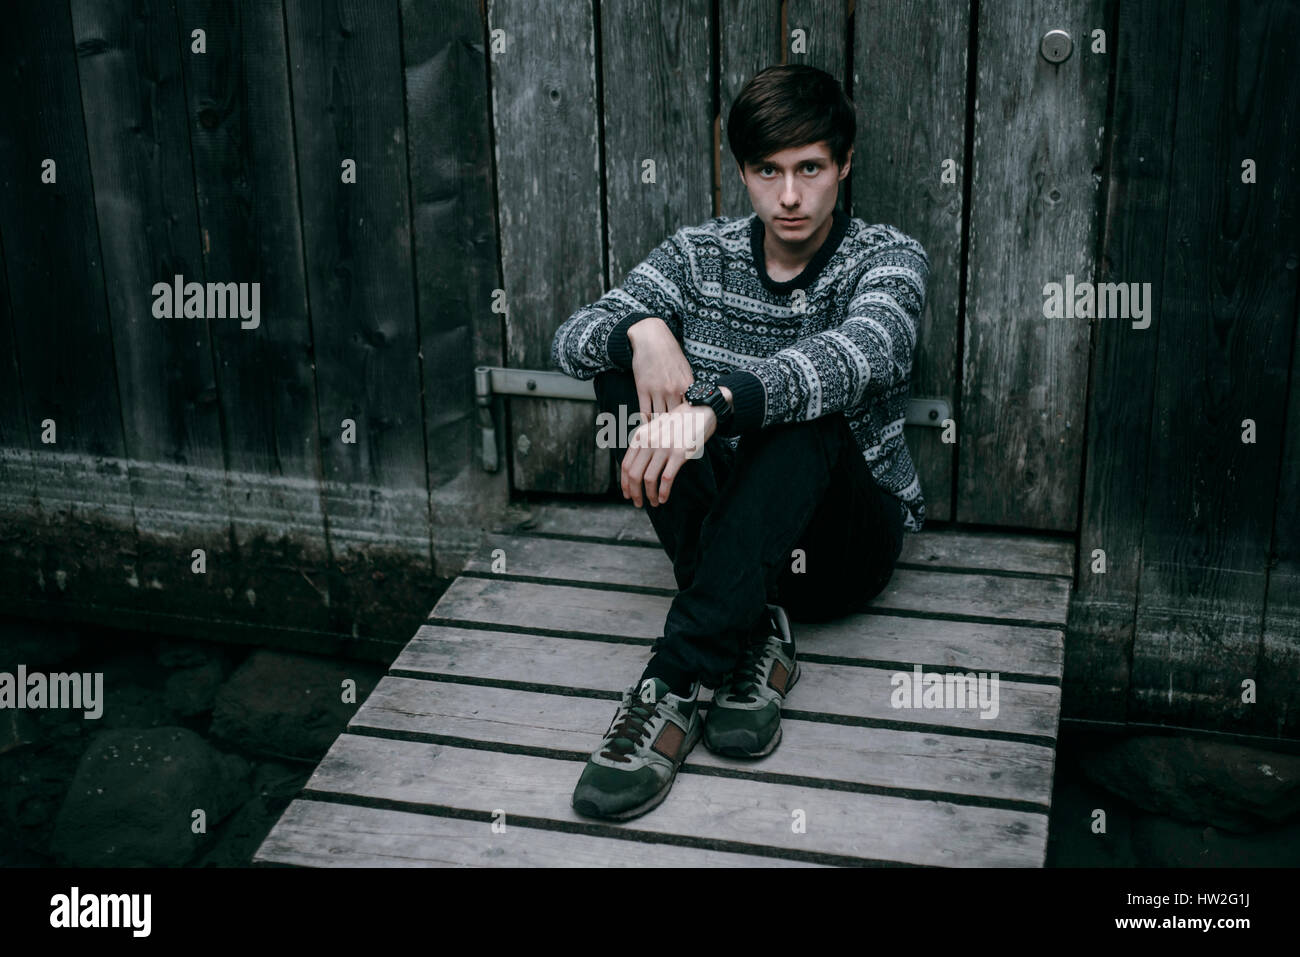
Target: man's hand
<point x="658" y="449"/>
<point x="659" y="368"/>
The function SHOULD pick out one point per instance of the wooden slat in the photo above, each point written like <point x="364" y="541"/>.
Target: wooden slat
<point x="657" y="75"/>
<point x="52" y="258"/>
<point x="347" y="102"/>
<point x="1279" y="653"/>
<point x="577" y="560"/>
<point x="1141" y="139"/>
<point x="897" y="179"/>
<point x="1033" y="206"/>
<point x="324" y="834"/>
<point x="449" y="150"/>
<point x="245" y="167"/>
<point x="881" y="757"/>
<point x="931" y="593"/>
<point x="742" y="813"/>
<point x="17" y="479"/>
<point x="862" y="692"/>
<point x="133" y="104"/>
<point x="548" y="187"/>
<point x="1013" y="648"/>
<point x="1206" y="553"/>
<point x="949" y="548"/>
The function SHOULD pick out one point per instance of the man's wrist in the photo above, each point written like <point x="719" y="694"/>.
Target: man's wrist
<point x="726" y="394"/>
<point x="638" y="328"/>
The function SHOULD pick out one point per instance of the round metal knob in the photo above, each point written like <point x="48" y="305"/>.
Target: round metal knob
<point x="1056" y="46"/>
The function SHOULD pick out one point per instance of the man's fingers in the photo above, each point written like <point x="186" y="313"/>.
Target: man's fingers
<point x="633" y="467"/>
<point x="652" y="471"/>
<point x="666" y="479"/>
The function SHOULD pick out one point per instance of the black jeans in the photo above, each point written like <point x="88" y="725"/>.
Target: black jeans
<point x="792" y="516"/>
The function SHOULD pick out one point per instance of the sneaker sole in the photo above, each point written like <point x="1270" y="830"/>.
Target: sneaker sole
<point x="587" y="809"/>
<point x="735" y="752"/>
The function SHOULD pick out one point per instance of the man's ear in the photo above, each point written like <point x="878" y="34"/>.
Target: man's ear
<point x="848" y="163"/>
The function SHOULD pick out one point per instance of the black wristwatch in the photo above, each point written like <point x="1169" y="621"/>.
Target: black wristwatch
<point x="702" y="393"/>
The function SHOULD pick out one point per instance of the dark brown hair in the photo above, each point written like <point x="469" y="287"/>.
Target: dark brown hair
<point x="790" y="106"/>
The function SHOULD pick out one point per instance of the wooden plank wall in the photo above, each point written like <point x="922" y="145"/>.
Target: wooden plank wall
<point x="547" y="133"/>
<point x="1123" y="372"/>
<point x="1197" y="524"/>
<point x="1223" y="356"/>
<point x="1034" y="200"/>
<point x="224" y="164"/>
<point x="57" y="321"/>
<point x="241" y="136"/>
<point x="129" y="64"/>
<point x="453" y="221"/>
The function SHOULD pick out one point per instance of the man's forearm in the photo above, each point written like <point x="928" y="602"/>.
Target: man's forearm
<point x="643" y="327"/>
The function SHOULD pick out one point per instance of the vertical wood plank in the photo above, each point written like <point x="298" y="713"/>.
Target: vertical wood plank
<point x="825" y="30"/>
<point x="1146" y="46"/>
<point x="17" y="478"/>
<point x="70" y="520"/>
<point x="658" y="105"/>
<point x="52" y="259"/>
<point x="456" y="260"/>
<point x="347" y="99"/>
<point x="549" y="193"/>
<point x="1223" y="356"/>
<point x="1279" y="654"/>
<point x="241" y="131"/>
<point x="133" y="103"/>
<point x="911" y="101"/>
<point x="749" y="40"/>
<point x="1033" y="216"/>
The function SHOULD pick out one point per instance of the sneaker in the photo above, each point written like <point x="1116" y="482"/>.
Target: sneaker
<point x="745" y="718"/>
<point x="634" y="767"/>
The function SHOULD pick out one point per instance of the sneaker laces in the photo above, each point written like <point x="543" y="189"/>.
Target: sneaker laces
<point x="629" y="731"/>
<point x="746" y="677"/>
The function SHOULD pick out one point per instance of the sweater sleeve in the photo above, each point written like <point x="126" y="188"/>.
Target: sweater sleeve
<point x="869" y="353"/>
<point x="594" y="338"/>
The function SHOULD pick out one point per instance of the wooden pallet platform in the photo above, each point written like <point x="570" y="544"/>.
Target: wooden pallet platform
<point x="486" y="718"/>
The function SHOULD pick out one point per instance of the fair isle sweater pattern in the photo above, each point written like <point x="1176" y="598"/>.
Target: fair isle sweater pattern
<point x="839" y="337"/>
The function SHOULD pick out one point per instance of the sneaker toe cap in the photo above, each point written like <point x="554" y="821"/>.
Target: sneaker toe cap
<point x="741" y="730"/>
<point x="602" y="791"/>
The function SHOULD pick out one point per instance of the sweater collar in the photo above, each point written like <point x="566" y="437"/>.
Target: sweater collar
<point x="839" y="226"/>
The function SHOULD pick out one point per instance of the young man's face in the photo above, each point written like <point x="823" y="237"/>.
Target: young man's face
<point x="800" y="182"/>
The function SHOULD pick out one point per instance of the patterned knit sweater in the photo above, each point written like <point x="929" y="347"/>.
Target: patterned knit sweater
<point x="839" y="337"/>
